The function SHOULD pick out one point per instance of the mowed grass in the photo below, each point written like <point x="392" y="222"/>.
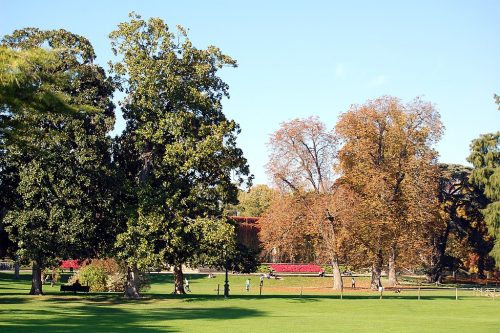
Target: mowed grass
<point x="281" y="308"/>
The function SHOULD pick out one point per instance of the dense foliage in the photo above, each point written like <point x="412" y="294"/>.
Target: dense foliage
<point x="56" y="148"/>
<point x="178" y="150"/>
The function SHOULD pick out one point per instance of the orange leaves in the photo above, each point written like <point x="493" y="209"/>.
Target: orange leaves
<point x="302" y="156"/>
<point x="388" y="161"/>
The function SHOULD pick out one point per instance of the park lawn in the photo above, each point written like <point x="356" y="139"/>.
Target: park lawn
<point x="279" y="311"/>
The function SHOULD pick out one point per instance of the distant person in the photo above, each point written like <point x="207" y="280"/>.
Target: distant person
<point x="247" y="285"/>
<point x="262" y="280"/>
<point x="77" y="284"/>
<point x="186" y="285"/>
<point x="353" y="283"/>
<point x="321" y="274"/>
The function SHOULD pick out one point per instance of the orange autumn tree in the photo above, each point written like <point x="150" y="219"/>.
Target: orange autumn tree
<point x="334" y="214"/>
<point x="298" y="224"/>
<point x="287" y="232"/>
<point x="387" y="159"/>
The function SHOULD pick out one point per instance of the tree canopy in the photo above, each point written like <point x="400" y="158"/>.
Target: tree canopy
<point x="185" y="163"/>
<point x="387" y="159"/>
<point x="485" y="157"/>
<point x="56" y="112"/>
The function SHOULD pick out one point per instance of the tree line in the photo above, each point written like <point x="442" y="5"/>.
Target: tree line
<point x="371" y="193"/>
<point x="154" y="195"/>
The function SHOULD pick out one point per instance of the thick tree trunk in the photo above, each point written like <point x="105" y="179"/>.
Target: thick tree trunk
<point x="132" y="284"/>
<point x="376" y="271"/>
<point x="16" y="267"/>
<point x="36" y="280"/>
<point x="435" y="273"/>
<point x="179" y="280"/>
<point x="393" y="281"/>
<point x="337" y="275"/>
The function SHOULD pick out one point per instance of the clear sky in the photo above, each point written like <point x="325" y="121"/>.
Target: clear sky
<point x="302" y="58"/>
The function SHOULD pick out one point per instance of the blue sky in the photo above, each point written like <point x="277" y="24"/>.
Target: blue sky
<point x="302" y="58"/>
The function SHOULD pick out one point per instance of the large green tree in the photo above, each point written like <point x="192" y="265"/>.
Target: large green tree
<point x="183" y="163"/>
<point x="23" y="84"/>
<point x="485" y="158"/>
<point x="55" y="121"/>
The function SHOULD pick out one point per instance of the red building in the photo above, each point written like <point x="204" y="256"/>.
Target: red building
<point x="247" y="230"/>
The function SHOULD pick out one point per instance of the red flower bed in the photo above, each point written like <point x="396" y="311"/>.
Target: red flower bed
<point x="296" y="268"/>
<point x="67" y="264"/>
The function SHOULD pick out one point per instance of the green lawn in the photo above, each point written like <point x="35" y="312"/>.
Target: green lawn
<point x="280" y="309"/>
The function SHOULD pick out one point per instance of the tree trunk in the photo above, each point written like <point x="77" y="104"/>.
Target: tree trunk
<point x="132" y="284"/>
<point x="435" y="273"/>
<point x="337" y="275"/>
<point x="376" y="271"/>
<point x="393" y="281"/>
<point x="36" y="280"/>
<point x="480" y="266"/>
<point x="16" y="267"/>
<point x="179" y="280"/>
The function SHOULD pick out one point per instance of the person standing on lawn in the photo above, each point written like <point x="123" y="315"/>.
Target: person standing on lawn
<point x="247" y="285"/>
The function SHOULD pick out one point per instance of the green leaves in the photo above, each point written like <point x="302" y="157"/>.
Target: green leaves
<point x="184" y="148"/>
<point x="485" y="157"/>
<point x="56" y="107"/>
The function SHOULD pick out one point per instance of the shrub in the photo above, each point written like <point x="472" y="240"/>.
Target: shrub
<point x="93" y="276"/>
<point x="345" y="268"/>
<point x="263" y="269"/>
<point x="106" y="275"/>
<point x="116" y="282"/>
<point x="327" y="269"/>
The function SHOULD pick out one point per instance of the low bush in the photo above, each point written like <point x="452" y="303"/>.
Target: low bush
<point x="93" y="276"/>
<point x="263" y="269"/>
<point x="106" y="275"/>
<point x="327" y="269"/>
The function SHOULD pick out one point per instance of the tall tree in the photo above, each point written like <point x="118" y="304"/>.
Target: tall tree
<point x="334" y="214"/>
<point x="58" y="149"/>
<point x="185" y="163"/>
<point x="485" y="158"/>
<point x="302" y="158"/>
<point x="388" y="161"/>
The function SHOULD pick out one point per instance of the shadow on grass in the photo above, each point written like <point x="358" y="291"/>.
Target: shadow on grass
<point x="9" y="277"/>
<point x="13" y="300"/>
<point x="85" y="318"/>
<point x="118" y="298"/>
<point x="169" y="278"/>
